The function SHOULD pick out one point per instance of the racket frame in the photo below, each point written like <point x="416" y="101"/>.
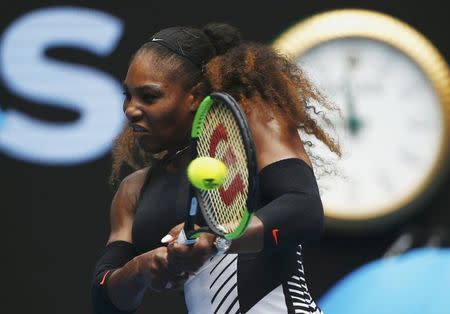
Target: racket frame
<point x="188" y="234"/>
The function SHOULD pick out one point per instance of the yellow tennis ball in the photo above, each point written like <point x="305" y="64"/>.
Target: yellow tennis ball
<point x="207" y="173"/>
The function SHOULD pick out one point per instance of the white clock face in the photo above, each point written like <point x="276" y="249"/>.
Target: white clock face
<point x="392" y="127"/>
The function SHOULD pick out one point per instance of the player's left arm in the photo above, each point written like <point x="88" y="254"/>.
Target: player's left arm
<point x="295" y="213"/>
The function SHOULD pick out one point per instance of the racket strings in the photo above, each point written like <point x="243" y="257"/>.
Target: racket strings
<point x="221" y="138"/>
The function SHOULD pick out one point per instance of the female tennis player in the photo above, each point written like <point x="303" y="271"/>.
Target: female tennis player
<point x="259" y="272"/>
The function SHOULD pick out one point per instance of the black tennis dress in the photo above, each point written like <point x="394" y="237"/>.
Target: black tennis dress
<point x="269" y="282"/>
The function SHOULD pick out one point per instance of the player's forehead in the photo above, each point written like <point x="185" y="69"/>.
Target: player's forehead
<point x="145" y="69"/>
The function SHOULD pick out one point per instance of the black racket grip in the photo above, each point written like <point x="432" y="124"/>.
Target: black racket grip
<point x="184" y="236"/>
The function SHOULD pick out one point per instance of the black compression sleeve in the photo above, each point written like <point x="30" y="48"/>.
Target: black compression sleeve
<point x="114" y="255"/>
<point x="293" y="212"/>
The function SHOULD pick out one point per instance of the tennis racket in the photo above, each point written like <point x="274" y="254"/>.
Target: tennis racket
<point x="220" y="131"/>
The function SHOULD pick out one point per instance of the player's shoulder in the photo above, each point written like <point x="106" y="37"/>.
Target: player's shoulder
<point x="134" y="180"/>
<point x="137" y="175"/>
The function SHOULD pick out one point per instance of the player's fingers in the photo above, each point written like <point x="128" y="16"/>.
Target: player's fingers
<point x="187" y="266"/>
<point x="178" y="249"/>
<point x="174" y="266"/>
<point x="167" y="238"/>
<point x="186" y="262"/>
<point x="173" y="234"/>
<point x="205" y="245"/>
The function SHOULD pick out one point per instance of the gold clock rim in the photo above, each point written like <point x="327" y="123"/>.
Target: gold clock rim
<point x="357" y="23"/>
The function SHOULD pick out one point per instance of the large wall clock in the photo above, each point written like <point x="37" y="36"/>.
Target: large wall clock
<point x="392" y="87"/>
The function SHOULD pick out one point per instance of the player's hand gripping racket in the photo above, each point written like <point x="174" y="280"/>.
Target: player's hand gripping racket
<point x="220" y="131"/>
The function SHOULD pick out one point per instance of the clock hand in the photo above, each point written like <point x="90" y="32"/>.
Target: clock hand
<point x="353" y="122"/>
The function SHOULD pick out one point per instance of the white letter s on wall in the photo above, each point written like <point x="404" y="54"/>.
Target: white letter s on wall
<point x="27" y="72"/>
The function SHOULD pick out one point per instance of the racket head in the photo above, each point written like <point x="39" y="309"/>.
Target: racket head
<point x="220" y="130"/>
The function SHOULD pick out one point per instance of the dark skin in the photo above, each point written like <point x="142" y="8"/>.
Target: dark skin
<point x="162" y="111"/>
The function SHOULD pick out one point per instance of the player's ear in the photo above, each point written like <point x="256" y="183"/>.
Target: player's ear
<point x="192" y="103"/>
<point x="196" y="96"/>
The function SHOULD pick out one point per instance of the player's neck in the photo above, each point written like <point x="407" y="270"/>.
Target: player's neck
<point x="177" y="158"/>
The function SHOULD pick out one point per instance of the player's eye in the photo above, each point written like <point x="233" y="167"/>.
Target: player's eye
<point x="148" y="98"/>
<point x="127" y="95"/>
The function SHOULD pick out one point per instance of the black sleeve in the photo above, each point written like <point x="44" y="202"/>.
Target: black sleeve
<point x="293" y="212"/>
<point x="114" y="255"/>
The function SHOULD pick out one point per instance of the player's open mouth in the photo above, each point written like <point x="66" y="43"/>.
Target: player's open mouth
<point x="137" y="128"/>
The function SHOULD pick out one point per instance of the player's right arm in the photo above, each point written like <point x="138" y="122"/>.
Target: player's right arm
<point x="122" y="277"/>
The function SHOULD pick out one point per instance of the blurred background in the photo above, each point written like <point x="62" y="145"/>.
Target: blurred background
<point x="386" y="240"/>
